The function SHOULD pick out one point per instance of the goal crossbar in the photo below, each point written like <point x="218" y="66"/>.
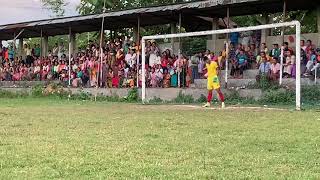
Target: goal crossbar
<point x="227" y="31"/>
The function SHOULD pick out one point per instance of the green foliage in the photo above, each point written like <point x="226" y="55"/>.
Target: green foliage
<point x="182" y="98"/>
<point x="156" y="100"/>
<point x="311" y="95"/>
<point x="202" y="99"/>
<point x="281" y="96"/>
<point x="37" y="91"/>
<point x="133" y="95"/>
<point x="193" y="45"/>
<point x="56" y="6"/>
<point x="264" y="84"/>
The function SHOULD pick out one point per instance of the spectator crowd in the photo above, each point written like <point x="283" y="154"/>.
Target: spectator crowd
<point x="118" y="64"/>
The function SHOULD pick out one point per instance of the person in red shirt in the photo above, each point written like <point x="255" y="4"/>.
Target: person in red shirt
<point x="164" y="61"/>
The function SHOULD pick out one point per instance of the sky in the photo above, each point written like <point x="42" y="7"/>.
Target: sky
<point x="15" y="11"/>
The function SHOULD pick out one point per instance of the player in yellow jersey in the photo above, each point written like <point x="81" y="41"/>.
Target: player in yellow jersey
<point x="213" y="81"/>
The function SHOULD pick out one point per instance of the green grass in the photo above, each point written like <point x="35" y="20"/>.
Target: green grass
<point x="47" y="139"/>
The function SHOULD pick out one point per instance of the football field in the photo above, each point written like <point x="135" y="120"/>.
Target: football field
<point x="47" y="139"/>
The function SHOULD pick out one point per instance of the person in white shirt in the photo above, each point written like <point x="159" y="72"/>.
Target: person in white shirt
<point x="55" y="50"/>
<point x="131" y="57"/>
<point x="61" y="50"/>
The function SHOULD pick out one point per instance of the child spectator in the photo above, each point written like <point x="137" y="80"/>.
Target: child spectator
<point x="166" y="79"/>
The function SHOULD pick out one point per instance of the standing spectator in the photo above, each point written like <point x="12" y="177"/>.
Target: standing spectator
<point x="11" y="53"/>
<point x="131" y="57"/>
<point x="28" y="53"/>
<point x="55" y="50"/>
<point x="264" y="48"/>
<point x="275" y="52"/>
<point x="303" y="46"/>
<point x="234" y="37"/>
<point x="61" y="50"/>
<point x="37" y="50"/>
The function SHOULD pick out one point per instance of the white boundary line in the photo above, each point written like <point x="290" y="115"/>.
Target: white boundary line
<point x="230" y="108"/>
<point x="225" y="31"/>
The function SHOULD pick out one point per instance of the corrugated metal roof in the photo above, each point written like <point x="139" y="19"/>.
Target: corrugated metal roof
<point x="149" y="15"/>
<point x="175" y="7"/>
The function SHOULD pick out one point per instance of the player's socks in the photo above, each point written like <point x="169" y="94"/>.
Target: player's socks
<point x="223" y="105"/>
<point x="221" y="96"/>
<point x="209" y="96"/>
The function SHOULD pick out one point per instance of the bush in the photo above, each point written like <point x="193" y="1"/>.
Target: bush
<point x="202" y="99"/>
<point x="133" y="95"/>
<point x="182" y="98"/>
<point x="155" y="100"/>
<point x="279" y="97"/>
<point x="310" y="94"/>
<point x="37" y="91"/>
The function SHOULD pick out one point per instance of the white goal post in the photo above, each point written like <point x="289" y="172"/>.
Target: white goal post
<point x="226" y="31"/>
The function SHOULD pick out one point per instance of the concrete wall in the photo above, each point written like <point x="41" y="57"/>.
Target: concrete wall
<point x="166" y="94"/>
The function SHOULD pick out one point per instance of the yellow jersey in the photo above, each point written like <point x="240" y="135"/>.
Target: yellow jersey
<point x="212" y="69"/>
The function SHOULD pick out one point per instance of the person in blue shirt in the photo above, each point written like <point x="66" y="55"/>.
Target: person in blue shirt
<point x="234" y="37"/>
<point x="11" y="53"/>
<point x="242" y="60"/>
<point x="264" y="69"/>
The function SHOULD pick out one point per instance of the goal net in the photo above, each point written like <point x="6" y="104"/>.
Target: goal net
<point x="226" y="76"/>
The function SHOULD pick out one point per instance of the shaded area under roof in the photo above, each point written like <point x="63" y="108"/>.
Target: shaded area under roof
<point x="152" y="16"/>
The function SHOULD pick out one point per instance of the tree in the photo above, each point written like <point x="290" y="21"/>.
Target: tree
<point x="56" y="6"/>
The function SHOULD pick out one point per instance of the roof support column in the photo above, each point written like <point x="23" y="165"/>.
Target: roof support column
<point x="138" y="53"/>
<point x="72" y="37"/>
<point x="14" y="47"/>
<point x="45" y="46"/>
<point x="318" y="24"/>
<point x="284" y="14"/>
<point x="173" y="29"/>
<point x="214" y="37"/>
<point x="136" y="31"/>
<point x="264" y="32"/>
<point x="21" y="48"/>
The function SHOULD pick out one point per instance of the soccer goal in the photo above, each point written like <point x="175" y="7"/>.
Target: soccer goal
<point x="295" y="24"/>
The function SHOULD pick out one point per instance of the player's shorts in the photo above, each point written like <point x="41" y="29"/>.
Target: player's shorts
<point x="213" y="83"/>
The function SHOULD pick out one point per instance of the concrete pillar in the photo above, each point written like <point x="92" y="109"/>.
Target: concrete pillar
<point x="45" y="46"/>
<point x="173" y="28"/>
<point x="318" y="24"/>
<point x="215" y="26"/>
<point x="72" y="37"/>
<point x="264" y="32"/>
<point x="135" y="34"/>
<point x="21" y="47"/>
<point x="271" y="16"/>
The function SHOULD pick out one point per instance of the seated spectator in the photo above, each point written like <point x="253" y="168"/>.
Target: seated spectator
<point x="242" y="61"/>
<point x="287" y="68"/>
<point x="275" y="69"/>
<point x="311" y="63"/>
<point x="317" y="64"/>
<point x="264" y="69"/>
<point x="275" y="52"/>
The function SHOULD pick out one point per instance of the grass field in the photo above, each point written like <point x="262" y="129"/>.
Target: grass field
<point x="45" y="139"/>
